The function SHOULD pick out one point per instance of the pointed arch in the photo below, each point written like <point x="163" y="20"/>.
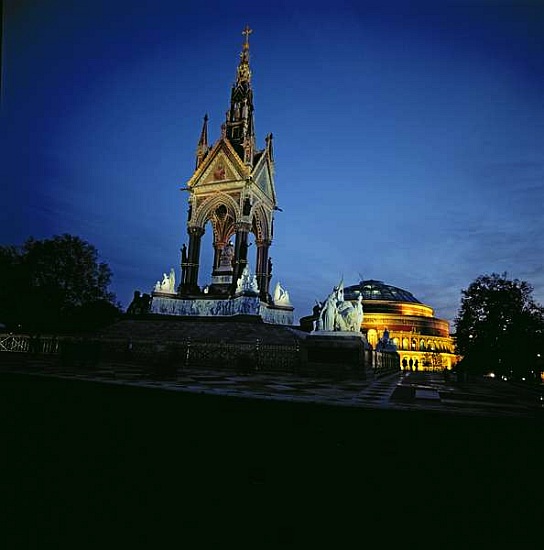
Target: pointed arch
<point x="205" y="211"/>
<point x="261" y="226"/>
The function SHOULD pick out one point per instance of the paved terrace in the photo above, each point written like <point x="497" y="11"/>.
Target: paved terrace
<point x="401" y="391"/>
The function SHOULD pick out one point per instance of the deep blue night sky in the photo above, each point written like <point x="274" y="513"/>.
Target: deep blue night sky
<point x="409" y="139"/>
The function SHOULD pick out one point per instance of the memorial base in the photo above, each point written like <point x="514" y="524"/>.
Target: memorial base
<point x="243" y="304"/>
<point x="335" y="354"/>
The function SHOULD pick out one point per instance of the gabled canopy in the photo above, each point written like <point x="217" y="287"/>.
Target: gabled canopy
<point x="220" y="165"/>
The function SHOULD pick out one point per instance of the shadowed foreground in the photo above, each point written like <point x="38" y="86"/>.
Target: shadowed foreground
<point x="90" y="464"/>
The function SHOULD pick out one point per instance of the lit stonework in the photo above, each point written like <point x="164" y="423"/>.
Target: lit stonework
<point x="417" y="334"/>
<point x="233" y="189"/>
<point x="232" y="194"/>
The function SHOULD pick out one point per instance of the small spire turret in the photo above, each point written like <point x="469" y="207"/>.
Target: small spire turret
<point x="269" y="147"/>
<point x="202" y="147"/>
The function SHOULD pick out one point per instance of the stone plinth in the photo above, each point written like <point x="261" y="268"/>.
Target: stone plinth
<point x="341" y="353"/>
<point x="277" y="315"/>
<point x="222" y="279"/>
<point x="243" y="304"/>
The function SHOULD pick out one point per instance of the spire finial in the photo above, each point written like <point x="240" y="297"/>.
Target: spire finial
<point x="247" y="31"/>
<point x="244" y="74"/>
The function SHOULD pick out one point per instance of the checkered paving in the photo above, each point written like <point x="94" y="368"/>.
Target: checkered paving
<point x="403" y="391"/>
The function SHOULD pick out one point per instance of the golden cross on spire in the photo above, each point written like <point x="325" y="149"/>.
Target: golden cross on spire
<point x="244" y="73"/>
<point x="247" y="31"/>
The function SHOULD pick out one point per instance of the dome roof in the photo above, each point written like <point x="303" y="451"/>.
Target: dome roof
<point x="378" y="290"/>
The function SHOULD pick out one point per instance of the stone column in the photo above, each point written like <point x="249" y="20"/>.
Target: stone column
<point x="190" y="285"/>
<point x="263" y="277"/>
<point x="184" y="266"/>
<point x="217" y="249"/>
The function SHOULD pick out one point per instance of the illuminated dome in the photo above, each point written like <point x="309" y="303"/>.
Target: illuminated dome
<point x="378" y="290"/>
<point x="423" y="341"/>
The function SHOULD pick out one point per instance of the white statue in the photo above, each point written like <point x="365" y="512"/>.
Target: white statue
<point x="172" y="280"/>
<point x="247" y="282"/>
<point x="165" y="284"/>
<point x="360" y="313"/>
<point x="241" y="282"/>
<point x="254" y="285"/>
<point x="327" y="317"/>
<point x="350" y="316"/>
<point x="281" y="296"/>
<point x="339" y="315"/>
<point x="339" y="292"/>
<point x="168" y="283"/>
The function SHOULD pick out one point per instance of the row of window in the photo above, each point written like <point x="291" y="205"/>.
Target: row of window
<point x="413" y="344"/>
<point x="422" y="345"/>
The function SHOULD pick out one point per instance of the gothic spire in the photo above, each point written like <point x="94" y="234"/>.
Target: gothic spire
<point x="202" y="147"/>
<point x="239" y="124"/>
<point x="244" y="72"/>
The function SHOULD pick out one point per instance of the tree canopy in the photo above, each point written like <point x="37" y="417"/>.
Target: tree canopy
<point x="54" y="284"/>
<point x="500" y="327"/>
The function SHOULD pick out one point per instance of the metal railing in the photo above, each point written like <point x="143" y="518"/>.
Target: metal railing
<point x="24" y="343"/>
<point x="247" y="357"/>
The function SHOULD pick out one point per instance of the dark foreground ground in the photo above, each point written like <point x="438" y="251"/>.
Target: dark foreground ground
<point x="93" y="465"/>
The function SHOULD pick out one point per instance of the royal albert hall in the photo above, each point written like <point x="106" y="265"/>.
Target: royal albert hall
<point x="418" y="335"/>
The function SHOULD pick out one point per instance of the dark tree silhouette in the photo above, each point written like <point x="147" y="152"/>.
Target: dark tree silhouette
<point x="12" y="279"/>
<point x="55" y="284"/>
<point x="500" y="327"/>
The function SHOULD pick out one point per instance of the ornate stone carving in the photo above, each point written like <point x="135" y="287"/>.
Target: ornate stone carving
<point x="337" y="315"/>
<point x="233" y="189"/>
<point x="225" y="259"/>
<point x="205" y="307"/>
<point x="281" y="296"/>
<point x="247" y="305"/>
<point x="168" y="283"/>
<point x="247" y="282"/>
<point x="219" y="172"/>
